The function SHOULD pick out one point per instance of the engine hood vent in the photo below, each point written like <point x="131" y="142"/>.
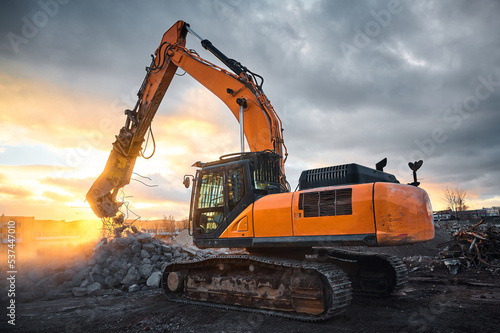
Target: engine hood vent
<point x="345" y="174"/>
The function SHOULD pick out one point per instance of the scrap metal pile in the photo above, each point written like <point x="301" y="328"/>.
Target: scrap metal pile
<point x="477" y="247"/>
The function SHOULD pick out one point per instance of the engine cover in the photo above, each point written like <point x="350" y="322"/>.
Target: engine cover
<point x="345" y="174"/>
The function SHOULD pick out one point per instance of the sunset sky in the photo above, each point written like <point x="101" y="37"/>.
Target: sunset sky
<point x="353" y="82"/>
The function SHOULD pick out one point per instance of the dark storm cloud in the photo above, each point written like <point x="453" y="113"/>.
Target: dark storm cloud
<point x="404" y="82"/>
<point x="354" y="81"/>
<point x="98" y="45"/>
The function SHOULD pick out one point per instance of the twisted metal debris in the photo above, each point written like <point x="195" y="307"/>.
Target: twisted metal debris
<point x="474" y="247"/>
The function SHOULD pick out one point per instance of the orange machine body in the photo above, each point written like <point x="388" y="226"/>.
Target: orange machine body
<point x="373" y="214"/>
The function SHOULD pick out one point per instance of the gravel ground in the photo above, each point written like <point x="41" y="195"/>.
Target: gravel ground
<point x="433" y="301"/>
<point x="437" y="302"/>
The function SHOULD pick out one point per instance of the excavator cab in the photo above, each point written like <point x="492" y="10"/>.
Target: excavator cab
<point x="223" y="189"/>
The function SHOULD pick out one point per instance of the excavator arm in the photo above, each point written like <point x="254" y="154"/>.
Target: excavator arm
<point x="239" y="91"/>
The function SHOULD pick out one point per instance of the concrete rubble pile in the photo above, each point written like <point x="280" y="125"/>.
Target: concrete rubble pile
<point x="121" y="264"/>
<point x="476" y="247"/>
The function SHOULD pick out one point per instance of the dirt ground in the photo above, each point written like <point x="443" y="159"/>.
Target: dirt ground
<point x="431" y="302"/>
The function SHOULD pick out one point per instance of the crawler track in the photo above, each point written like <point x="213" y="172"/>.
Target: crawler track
<point x="370" y="273"/>
<point x="300" y="290"/>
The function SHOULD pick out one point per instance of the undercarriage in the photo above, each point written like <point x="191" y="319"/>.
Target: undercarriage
<point x="314" y="289"/>
<point x="370" y="273"/>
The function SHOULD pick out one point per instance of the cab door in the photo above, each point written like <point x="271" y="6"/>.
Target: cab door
<point x="222" y="194"/>
<point x="209" y="205"/>
<point x="240" y="200"/>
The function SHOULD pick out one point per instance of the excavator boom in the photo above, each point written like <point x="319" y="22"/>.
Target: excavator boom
<point x="239" y="91"/>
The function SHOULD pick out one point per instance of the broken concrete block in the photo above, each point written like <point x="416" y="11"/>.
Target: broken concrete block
<point x="96" y="269"/>
<point x="131" y="277"/>
<point x="66" y="275"/>
<point x="144" y="238"/>
<point x="94" y="287"/>
<point x="101" y="256"/>
<point x="85" y="283"/>
<point x="79" y="292"/>
<point x="110" y="282"/>
<point x="136" y="260"/>
<point x="149" y="247"/>
<point x="115" y="266"/>
<point x="120" y="274"/>
<point x="134" y="288"/>
<point x="136" y="246"/>
<point x="154" y="280"/>
<point x="79" y="277"/>
<point x="184" y="239"/>
<point x="96" y="277"/>
<point x="145" y="254"/>
<point x="191" y="250"/>
<point x="166" y="248"/>
<point x="145" y="270"/>
<point x="168" y="257"/>
<point x="121" y="243"/>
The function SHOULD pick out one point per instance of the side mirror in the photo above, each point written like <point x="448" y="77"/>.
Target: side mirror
<point x="187" y="181"/>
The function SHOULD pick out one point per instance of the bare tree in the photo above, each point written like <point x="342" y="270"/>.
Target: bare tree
<point x="157" y="226"/>
<point x="456" y="199"/>
<point x="169" y="223"/>
<point x="184" y="224"/>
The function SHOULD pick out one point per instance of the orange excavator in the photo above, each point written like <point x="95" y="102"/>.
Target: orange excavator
<point x="291" y="265"/>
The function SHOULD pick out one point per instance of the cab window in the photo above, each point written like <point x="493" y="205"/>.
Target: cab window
<point x="211" y="201"/>
<point x="236" y="186"/>
<point x="211" y="190"/>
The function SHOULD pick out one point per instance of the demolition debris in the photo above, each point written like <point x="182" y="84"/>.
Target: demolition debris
<point x="477" y="247"/>
<point x="115" y="265"/>
<point x="133" y="261"/>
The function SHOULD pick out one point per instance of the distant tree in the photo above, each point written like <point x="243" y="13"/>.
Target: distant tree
<point x="184" y="224"/>
<point x="157" y="226"/>
<point x="456" y="199"/>
<point x="169" y="223"/>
